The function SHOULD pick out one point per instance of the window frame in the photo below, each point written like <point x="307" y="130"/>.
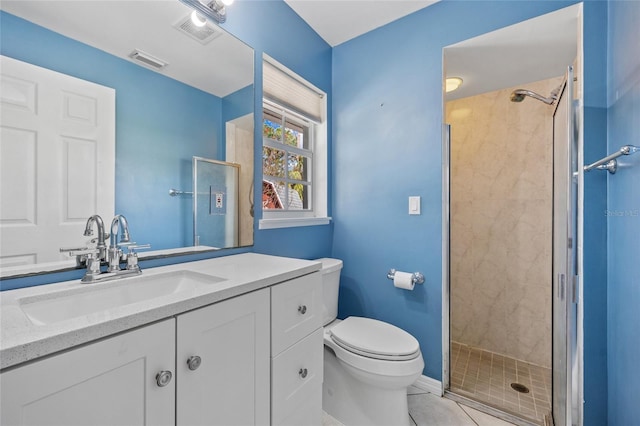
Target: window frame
<point x="318" y="178"/>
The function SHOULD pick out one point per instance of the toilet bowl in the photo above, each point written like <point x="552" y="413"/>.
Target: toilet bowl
<point x="368" y="364"/>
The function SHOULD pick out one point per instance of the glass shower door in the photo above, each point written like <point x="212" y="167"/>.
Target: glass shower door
<point x="566" y="369"/>
<point x="215" y="203"/>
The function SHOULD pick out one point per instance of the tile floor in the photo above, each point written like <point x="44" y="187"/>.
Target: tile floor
<point x="486" y="377"/>
<point x="426" y="409"/>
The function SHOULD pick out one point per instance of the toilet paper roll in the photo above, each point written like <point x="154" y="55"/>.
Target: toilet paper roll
<point x="403" y="280"/>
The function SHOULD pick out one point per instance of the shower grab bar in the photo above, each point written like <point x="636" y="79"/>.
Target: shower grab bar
<point x="609" y="162"/>
<point x="174" y="192"/>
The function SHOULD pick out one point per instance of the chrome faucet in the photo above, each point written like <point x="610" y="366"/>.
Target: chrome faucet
<point x="88" y="231"/>
<point x="119" y="223"/>
<point x="91" y="256"/>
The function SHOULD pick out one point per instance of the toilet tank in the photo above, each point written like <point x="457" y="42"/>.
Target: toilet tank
<point x="330" y="284"/>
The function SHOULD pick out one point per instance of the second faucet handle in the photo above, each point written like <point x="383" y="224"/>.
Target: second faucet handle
<point x="132" y="256"/>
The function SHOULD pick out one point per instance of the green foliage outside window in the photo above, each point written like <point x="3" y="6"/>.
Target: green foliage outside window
<point x="273" y="160"/>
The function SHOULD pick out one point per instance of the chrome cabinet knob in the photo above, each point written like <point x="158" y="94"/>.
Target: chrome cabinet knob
<point x="194" y="362"/>
<point x="302" y="373"/>
<point x="302" y="309"/>
<point x="163" y="378"/>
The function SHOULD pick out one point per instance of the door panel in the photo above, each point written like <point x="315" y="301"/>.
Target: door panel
<point x="65" y="129"/>
<point x="111" y="382"/>
<point x="231" y="384"/>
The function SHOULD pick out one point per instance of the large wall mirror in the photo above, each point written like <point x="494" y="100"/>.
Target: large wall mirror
<point x="175" y="94"/>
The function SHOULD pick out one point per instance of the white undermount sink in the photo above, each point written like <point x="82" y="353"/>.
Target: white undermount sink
<point x="96" y="298"/>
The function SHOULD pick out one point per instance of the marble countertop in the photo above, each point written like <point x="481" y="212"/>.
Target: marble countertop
<point x="21" y="340"/>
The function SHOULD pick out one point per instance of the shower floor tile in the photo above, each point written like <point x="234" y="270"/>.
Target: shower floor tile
<point x="487" y="377"/>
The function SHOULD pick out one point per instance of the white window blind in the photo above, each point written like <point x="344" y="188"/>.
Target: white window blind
<point x="291" y="93"/>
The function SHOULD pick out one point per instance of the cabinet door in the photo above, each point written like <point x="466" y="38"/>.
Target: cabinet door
<point x="110" y="382"/>
<point x="296" y="391"/>
<point x="231" y="384"/>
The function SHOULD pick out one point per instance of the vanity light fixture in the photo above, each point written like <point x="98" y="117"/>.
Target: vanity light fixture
<point x="452" y="83"/>
<point x="198" y="20"/>
<point x="208" y="9"/>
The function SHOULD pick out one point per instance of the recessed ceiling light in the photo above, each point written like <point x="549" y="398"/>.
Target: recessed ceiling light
<point x="452" y="83"/>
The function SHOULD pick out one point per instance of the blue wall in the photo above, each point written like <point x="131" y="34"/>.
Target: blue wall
<point x="387" y="146"/>
<point x="623" y="214"/>
<point x="272" y="27"/>
<point x="595" y="226"/>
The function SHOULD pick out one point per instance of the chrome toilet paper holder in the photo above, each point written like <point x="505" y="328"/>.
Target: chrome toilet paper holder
<point x="416" y="278"/>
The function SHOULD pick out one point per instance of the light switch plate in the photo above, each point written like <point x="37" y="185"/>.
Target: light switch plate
<point x="414" y="205"/>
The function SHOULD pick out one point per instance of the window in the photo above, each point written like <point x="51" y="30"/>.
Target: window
<point x="287" y="160"/>
<point x="294" y="158"/>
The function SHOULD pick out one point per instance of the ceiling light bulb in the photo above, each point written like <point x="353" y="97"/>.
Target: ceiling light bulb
<point x="452" y="83"/>
<point x="197" y="19"/>
<point x="227" y="2"/>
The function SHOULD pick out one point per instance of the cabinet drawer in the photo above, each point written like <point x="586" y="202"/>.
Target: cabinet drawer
<point x="296" y="381"/>
<point x="296" y="308"/>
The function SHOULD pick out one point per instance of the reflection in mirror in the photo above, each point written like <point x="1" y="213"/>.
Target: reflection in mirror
<point x="134" y="91"/>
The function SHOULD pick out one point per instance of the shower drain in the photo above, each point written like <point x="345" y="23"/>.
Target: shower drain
<point x="519" y="388"/>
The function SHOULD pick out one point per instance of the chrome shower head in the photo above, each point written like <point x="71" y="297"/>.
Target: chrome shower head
<point x="517" y="97"/>
<point x="519" y="94"/>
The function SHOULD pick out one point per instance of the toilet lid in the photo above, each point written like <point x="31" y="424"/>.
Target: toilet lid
<point x="375" y="339"/>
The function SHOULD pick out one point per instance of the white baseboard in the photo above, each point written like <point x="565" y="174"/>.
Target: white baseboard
<point x="428" y="384"/>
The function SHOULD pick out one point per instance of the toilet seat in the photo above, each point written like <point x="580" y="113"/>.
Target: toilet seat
<point x="375" y="339"/>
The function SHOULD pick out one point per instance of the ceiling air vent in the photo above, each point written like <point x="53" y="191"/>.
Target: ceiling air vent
<point x="203" y="34"/>
<point x="147" y="60"/>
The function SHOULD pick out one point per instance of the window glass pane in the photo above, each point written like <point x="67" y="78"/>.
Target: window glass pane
<point x="281" y="196"/>
<point x="273" y="162"/>
<point x="297" y="134"/>
<point x="298" y="167"/>
<point x="270" y="195"/>
<point x="272" y="126"/>
<point x="298" y="196"/>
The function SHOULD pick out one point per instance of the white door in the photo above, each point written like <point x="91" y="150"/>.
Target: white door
<point x="57" y="161"/>
<point x="111" y="382"/>
<point x="229" y="383"/>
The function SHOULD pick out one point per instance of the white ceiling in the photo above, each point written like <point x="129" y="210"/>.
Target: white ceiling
<point x="118" y="27"/>
<point x="337" y="21"/>
<point x="529" y="51"/>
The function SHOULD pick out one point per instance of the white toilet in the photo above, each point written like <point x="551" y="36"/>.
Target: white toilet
<point x="368" y="364"/>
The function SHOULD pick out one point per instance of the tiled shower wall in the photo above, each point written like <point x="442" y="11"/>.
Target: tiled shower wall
<point x="501" y="216"/>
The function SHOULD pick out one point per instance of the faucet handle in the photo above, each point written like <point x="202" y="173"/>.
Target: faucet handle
<point x="72" y="249"/>
<point x="132" y="256"/>
<point x="82" y="254"/>
<point x="134" y="246"/>
<point x="79" y="251"/>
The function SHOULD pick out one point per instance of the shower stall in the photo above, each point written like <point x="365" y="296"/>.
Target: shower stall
<point x="501" y="248"/>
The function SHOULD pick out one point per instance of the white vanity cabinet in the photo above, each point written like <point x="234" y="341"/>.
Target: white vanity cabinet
<point x="109" y="382"/>
<point x="252" y="356"/>
<point x="297" y="350"/>
<point x="223" y="363"/>
<point x="117" y="381"/>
